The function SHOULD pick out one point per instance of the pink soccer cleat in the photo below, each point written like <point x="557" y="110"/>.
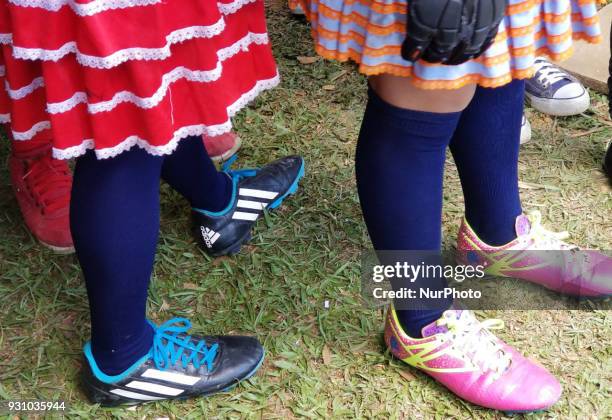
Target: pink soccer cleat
<point x="459" y="352"/>
<point x="535" y="256"/>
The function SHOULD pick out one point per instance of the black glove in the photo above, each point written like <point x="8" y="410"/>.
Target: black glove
<point x="451" y="31"/>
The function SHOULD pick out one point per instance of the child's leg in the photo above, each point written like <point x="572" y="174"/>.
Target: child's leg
<point x="399" y="167"/>
<point x="191" y="172"/>
<point x="115" y="222"/>
<point x="225" y="205"/>
<point x="400" y="163"/>
<point x="485" y="147"/>
<point x="115" y="219"/>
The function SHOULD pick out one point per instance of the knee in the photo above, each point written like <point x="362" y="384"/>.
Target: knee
<point x="398" y="91"/>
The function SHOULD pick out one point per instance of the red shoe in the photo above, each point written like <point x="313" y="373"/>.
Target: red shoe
<point x="221" y="148"/>
<point x="42" y="186"/>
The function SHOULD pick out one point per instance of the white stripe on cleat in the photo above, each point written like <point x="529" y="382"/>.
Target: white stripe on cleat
<point x="158" y="389"/>
<point x="134" y="395"/>
<point x="247" y="192"/>
<point x="254" y="205"/>
<point x="177" y="378"/>
<point x="240" y="215"/>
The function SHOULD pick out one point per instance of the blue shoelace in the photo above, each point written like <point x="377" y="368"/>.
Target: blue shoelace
<point x="237" y="174"/>
<point x="168" y="348"/>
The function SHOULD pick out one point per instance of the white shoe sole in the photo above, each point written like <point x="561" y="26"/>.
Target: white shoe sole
<point x="525" y="132"/>
<point x="58" y="249"/>
<point x="561" y="107"/>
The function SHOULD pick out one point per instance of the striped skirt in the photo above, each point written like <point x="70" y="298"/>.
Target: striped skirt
<point x="370" y="33"/>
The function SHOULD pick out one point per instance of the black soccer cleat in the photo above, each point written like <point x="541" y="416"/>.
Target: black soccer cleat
<point x="224" y="232"/>
<point x="177" y="367"/>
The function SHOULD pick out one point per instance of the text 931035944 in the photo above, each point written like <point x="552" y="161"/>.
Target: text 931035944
<point x="32" y="406"/>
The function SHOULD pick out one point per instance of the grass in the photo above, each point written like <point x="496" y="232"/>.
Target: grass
<point x="321" y="362"/>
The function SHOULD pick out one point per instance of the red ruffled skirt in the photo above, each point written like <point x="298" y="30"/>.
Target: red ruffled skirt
<point x="112" y="74"/>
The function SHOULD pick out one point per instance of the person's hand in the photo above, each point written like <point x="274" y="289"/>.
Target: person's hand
<point x="451" y="31"/>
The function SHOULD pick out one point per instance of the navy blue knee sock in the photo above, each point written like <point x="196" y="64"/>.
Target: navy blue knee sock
<point x="190" y="171"/>
<point x="114" y="218"/>
<point x="399" y="167"/>
<point x="485" y="147"/>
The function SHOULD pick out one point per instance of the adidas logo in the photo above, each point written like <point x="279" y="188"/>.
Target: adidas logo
<point x="209" y="236"/>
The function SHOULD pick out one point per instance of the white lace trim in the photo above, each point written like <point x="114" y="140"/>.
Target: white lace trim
<point x="6" y="39"/>
<point x="83" y="9"/>
<point x="121" y="56"/>
<point x="29" y="134"/>
<point x="73" y="151"/>
<point x="233" y="7"/>
<point x="68" y="104"/>
<point x="98" y="6"/>
<point x="242" y="44"/>
<point x="5" y="118"/>
<point x="202" y="76"/>
<point x="170" y="146"/>
<point x="22" y="92"/>
<point x="247" y="97"/>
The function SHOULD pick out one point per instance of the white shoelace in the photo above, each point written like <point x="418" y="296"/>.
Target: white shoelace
<point x="547" y="73"/>
<point x="474" y="339"/>
<point x="540" y="238"/>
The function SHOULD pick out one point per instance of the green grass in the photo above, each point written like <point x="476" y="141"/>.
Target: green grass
<point x="321" y="363"/>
